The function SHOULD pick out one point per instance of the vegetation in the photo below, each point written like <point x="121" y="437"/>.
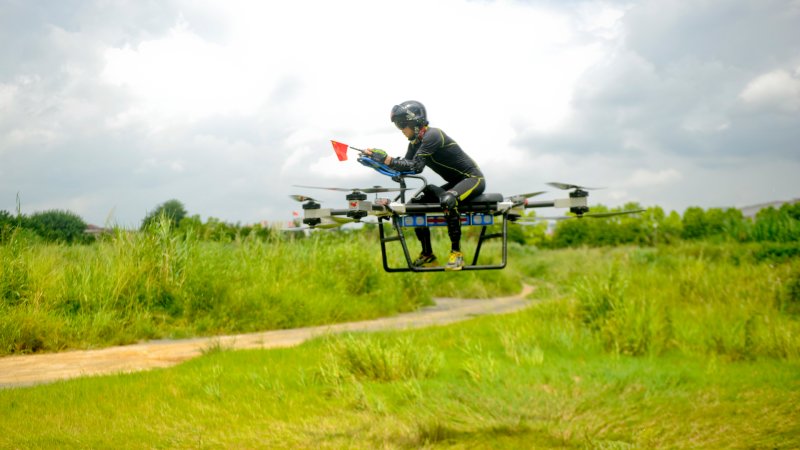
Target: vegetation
<point x="173" y="210"/>
<point x="166" y="283"/>
<point x="179" y="276"/>
<point x="649" y="331"/>
<point x="693" y="345"/>
<point x="59" y="226"/>
<point x="650" y="228"/>
<point x="655" y="227"/>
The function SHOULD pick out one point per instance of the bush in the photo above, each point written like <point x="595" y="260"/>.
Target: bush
<point x="58" y="226"/>
<point x="172" y="209"/>
<point x="7" y="223"/>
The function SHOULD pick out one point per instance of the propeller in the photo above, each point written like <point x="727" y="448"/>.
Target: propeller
<point x="520" y="198"/>
<point x="327" y="224"/>
<point x="303" y="198"/>
<point x="372" y="190"/>
<point x="565" y="186"/>
<point x="599" y="215"/>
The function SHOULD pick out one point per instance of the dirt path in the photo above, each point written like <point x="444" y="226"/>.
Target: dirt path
<point x="28" y="370"/>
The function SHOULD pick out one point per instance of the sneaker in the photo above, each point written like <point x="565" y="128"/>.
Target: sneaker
<point x="455" y="262"/>
<point x="425" y="260"/>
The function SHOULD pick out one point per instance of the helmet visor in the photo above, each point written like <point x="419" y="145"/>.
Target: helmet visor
<point x="399" y="117"/>
<point x="400" y="123"/>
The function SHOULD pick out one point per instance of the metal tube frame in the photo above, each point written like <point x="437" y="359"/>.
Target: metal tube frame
<point x="400" y="236"/>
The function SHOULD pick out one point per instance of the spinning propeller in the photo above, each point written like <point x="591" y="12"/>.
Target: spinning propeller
<point x="327" y="223"/>
<point x="521" y="199"/>
<point x="599" y="215"/>
<point x="566" y="186"/>
<point x="372" y="190"/>
<point x="303" y="198"/>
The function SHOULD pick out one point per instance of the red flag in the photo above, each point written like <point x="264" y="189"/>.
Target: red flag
<point x="340" y="149"/>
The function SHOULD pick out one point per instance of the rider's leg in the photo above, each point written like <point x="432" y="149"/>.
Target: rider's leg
<point x="428" y="195"/>
<point x="462" y="191"/>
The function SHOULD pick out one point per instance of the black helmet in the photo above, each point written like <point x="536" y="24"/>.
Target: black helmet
<point x="409" y="114"/>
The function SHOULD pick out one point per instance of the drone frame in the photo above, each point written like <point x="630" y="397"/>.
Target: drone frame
<point x="480" y="211"/>
<point x="405" y="215"/>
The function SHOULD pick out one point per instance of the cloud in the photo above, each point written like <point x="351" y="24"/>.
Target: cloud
<point x="109" y="107"/>
<point x="777" y="90"/>
<point x="644" y="177"/>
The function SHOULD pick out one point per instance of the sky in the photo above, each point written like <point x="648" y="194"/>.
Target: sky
<point x="109" y="108"/>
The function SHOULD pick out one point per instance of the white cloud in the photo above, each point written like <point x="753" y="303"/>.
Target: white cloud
<point x="225" y="105"/>
<point x="777" y="90"/>
<point x="7" y="93"/>
<point x="647" y="178"/>
<point x="183" y="78"/>
<point x="352" y="60"/>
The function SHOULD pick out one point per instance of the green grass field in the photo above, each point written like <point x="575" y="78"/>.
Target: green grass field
<point x="687" y="346"/>
<point x="136" y="286"/>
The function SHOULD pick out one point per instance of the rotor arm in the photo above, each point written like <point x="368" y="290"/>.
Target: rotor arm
<point x="540" y="204"/>
<point x="573" y="202"/>
<point x="422" y="208"/>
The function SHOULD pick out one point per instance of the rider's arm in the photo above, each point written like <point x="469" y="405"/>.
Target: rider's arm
<point x="430" y="143"/>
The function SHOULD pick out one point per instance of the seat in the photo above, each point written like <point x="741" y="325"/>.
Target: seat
<point x="485" y="198"/>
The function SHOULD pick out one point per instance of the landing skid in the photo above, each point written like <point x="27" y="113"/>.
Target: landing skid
<point x="399" y="236"/>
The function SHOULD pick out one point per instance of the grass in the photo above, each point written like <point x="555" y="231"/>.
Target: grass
<point x="286" y="398"/>
<point x="678" y="347"/>
<point x="136" y="286"/>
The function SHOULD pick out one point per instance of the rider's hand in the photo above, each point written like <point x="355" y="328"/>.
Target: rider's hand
<point x="377" y="154"/>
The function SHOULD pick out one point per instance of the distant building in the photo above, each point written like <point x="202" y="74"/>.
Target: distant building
<point x="94" y="230"/>
<point x="752" y="210"/>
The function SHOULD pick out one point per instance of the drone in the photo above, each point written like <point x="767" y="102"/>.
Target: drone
<point x="483" y="211"/>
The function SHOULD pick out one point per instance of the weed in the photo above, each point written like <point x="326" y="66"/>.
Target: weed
<point x="479" y="365"/>
<point x="216" y="345"/>
<point x="380" y="359"/>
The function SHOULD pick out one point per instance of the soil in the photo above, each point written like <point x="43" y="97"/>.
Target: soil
<point x="27" y="370"/>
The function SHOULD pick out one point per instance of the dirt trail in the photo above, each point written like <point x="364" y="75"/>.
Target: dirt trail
<point x="28" y="370"/>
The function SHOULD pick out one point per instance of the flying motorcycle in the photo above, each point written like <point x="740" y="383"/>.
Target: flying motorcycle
<point x="483" y="211"/>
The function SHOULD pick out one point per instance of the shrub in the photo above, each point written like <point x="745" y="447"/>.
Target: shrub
<point x="172" y="209"/>
<point x="58" y="226"/>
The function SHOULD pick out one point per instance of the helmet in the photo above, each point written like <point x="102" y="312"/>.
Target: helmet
<point x="409" y="114"/>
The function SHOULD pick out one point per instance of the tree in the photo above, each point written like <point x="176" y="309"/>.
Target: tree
<point x="6" y="219"/>
<point x="776" y="225"/>
<point x="7" y="223"/>
<point x="694" y="223"/>
<point x="58" y="226"/>
<point x="671" y="228"/>
<point x="171" y="209"/>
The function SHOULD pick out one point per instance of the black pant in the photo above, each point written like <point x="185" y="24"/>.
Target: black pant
<point x="463" y="190"/>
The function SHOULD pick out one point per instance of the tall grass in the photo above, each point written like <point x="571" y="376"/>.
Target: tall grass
<point x="720" y="300"/>
<point x="377" y="358"/>
<point x="623" y="348"/>
<point x="158" y="283"/>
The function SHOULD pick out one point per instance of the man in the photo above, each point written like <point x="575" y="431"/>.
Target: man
<point x="431" y="147"/>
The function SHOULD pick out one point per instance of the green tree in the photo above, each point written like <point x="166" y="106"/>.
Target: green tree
<point x="572" y="233"/>
<point x="671" y="228"/>
<point x="58" y="226"/>
<point x="7" y="222"/>
<point x="734" y="225"/>
<point x="694" y="223"/>
<point x="776" y="225"/>
<point x="172" y="209"/>
<point x="792" y="209"/>
<point x="5" y="218"/>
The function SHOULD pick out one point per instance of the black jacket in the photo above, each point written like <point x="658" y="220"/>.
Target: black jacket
<point x="439" y="152"/>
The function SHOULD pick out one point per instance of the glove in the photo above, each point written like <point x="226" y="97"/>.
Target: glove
<point x="378" y="155"/>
